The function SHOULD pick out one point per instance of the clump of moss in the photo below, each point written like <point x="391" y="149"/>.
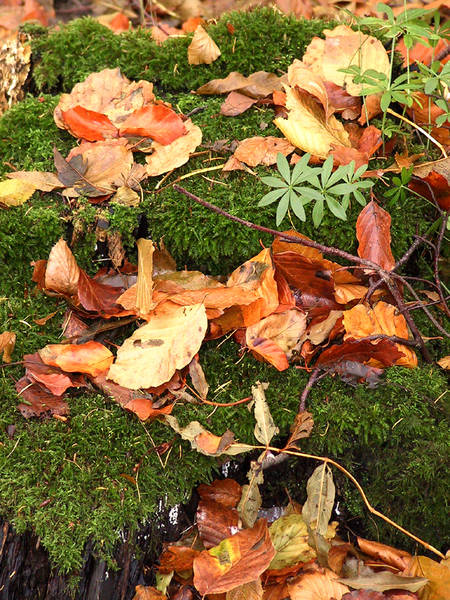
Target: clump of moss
<point x="263" y="40"/>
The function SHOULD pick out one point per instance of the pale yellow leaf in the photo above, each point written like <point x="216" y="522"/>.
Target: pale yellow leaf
<point x="156" y="350"/>
<point x="14" y="192"/>
<point x="265" y="428"/>
<point x="41" y="180"/>
<point x="126" y="196"/>
<point x="144" y="284"/>
<point x="307" y="127"/>
<point x="289" y="536"/>
<point x="444" y="362"/>
<point x="203" y="50"/>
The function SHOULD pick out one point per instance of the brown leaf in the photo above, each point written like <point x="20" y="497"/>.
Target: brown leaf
<point x="92" y="357"/>
<point x="224" y="491"/>
<point x="202" y="50"/>
<point x="99" y="298"/>
<point x="247" y="591"/>
<point x="300" y="76"/>
<point x="235" y="104"/>
<point x="386" y="554"/>
<point x="362" y="321"/>
<point x="62" y="272"/>
<point x="119" y="394"/>
<point x="167" y="157"/>
<point x="384" y="352"/>
<point x="7" y="343"/>
<point x="262" y="150"/>
<point x="215" y="522"/>
<point x="257" y="85"/>
<point x="235" y="561"/>
<point x="198" y="378"/>
<point x="444" y="362"/>
<point x="434" y="175"/>
<point x="38" y="402"/>
<point x="41" y="180"/>
<point x="301" y="428"/>
<point x="373" y="230"/>
<point x="156" y="350"/>
<point x="307" y="126"/>
<point x="385" y="580"/>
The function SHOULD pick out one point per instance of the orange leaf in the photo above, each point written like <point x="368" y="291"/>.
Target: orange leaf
<point x="156" y="121"/>
<point x="92" y="357"/>
<point x="215" y="522"/>
<point x="317" y="586"/>
<point x="362" y="321"/>
<point x="373" y="230"/>
<point x="224" y="491"/>
<point x="177" y="558"/>
<point x="262" y="150"/>
<point x="88" y="124"/>
<point x="238" y="559"/>
<point x="54" y="380"/>
<point x="143" y="408"/>
<point x="7" y="343"/>
<point x="146" y="592"/>
<point x="386" y="554"/>
<point x="235" y="104"/>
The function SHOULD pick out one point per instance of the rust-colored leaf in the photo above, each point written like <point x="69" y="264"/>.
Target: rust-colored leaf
<point x="384" y="352"/>
<point x="38" y="402"/>
<point x="156" y="121"/>
<point x="262" y="150"/>
<point x="317" y="586"/>
<point x="167" y="157"/>
<point x="88" y="124"/>
<point x="143" y="408"/>
<point x="62" y="272"/>
<point x="432" y="181"/>
<point x="92" y="357"/>
<point x="373" y="230"/>
<point x="177" y="558"/>
<point x="236" y="560"/>
<point x="386" y="554"/>
<point x="224" y="491"/>
<point x="99" y="298"/>
<point x="235" y="104"/>
<point x="146" y="592"/>
<point x="257" y="85"/>
<point x="300" y="429"/>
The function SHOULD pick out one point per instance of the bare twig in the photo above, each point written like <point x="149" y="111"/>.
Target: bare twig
<point x="315" y="377"/>
<point x="436" y="262"/>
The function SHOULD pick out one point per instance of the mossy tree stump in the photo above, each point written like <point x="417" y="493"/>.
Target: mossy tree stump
<point x="71" y="484"/>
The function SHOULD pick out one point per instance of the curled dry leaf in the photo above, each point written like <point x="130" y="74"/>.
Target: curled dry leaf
<point x="301" y="428"/>
<point x="275" y="337"/>
<point x="300" y="76"/>
<point x="62" y="272"/>
<point x="167" y="157"/>
<point x="215" y="522"/>
<point x="206" y="442"/>
<point x="307" y="126"/>
<point x="15" y="192"/>
<point x="362" y="321"/>
<point x="342" y="48"/>
<point x="388" y="555"/>
<point x="203" y="50"/>
<point x="7" y="343"/>
<point x="373" y="230"/>
<point x="262" y="150"/>
<point x="235" y="561"/>
<point x="92" y="357"/>
<point x="156" y="350"/>
<point x="317" y="586"/>
<point x="257" y="85"/>
<point x="385" y="580"/>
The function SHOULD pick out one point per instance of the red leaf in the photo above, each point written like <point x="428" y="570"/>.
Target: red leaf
<point x="156" y="121"/>
<point x="54" y="380"/>
<point x="88" y="124"/>
<point x="373" y="230"/>
<point x="39" y="402"/>
<point x="384" y="351"/>
<point x="177" y="558"/>
<point x="99" y="297"/>
<point x="440" y="190"/>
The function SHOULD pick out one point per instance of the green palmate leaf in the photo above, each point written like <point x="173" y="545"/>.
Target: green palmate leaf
<point x="337" y="210"/>
<point x="282" y="208"/>
<point x="283" y="167"/>
<point x="326" y="170"/>
<point x="342" y="188"/>
<point x="309" y="193"/>
<point x="359" y="172"/>
<point x="359" y="198"/>
<point x="271" y="197"/>
<point x="297" y="206"/>
<point x="385" y="101"/>
<point x="273" y="181"/>
<point x="318" y="212"/>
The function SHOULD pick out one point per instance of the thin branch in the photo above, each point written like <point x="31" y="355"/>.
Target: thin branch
<point x="436" y="262"/>
<point x="425" y="133"/>
<point x="392" y="338"/>
<point x="315" y="377"/>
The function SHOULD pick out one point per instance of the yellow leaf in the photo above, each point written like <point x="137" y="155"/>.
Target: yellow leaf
<point x="14" y="192"/>
<point x="444" y="362"/>
<point x="203" y="50"/>
<point x="289" y="537"/>
<point x="438" y="575"/>
<point x="156" y="350"/>
<point x="307" y="127"/>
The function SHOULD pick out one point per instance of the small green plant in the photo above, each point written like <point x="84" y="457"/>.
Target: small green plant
<point x="324" y="187"/>
<point x="400" y="191"/>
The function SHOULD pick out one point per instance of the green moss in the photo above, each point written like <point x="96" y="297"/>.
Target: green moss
<point x="263" y="40"/>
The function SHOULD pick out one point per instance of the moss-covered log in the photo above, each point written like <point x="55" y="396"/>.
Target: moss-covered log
<point x="74" y="483"/>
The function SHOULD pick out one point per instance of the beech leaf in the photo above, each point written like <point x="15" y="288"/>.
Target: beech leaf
<point x="319" y="504"/>
<point x="92" y="357"/>
<point x="203" y="50"/>
<point x="373" y="230"/>
<point x="385" y="580"/>
<point x="15" y="192"/>
<point x="265" y="428"/>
